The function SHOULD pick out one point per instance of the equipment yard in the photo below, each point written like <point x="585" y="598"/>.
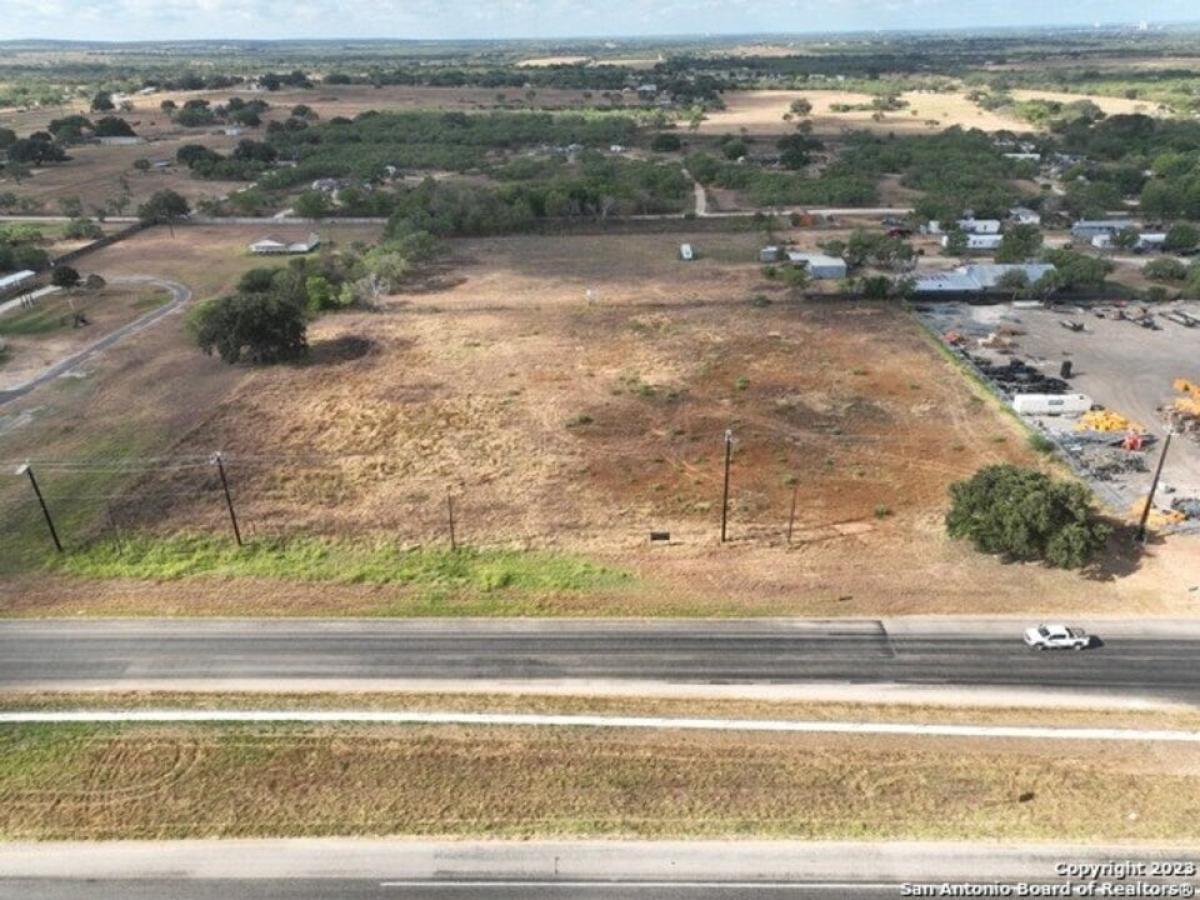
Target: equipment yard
<point x="1119" y="360"/>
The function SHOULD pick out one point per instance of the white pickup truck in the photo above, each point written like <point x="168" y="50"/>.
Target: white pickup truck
<point x="1057" y="637"/>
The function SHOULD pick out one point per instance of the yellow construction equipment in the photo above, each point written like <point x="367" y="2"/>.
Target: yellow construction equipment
<point x="1107" y="420"/>
<point x="1189" y="403"/>
<point x="1159" y="518"/>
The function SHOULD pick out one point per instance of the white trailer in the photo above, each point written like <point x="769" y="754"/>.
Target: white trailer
<point x="1052" y="404"/>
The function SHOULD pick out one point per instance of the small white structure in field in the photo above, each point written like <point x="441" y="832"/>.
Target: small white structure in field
<point x="819" y="265"/>
<point x="770" y="254"/>
<point x="1023" y="215"/>
<point x="1051" y="404"/>
<point x="272" y="245"/>
<point x="687" y="252"/>
<point x="120" y="140"/>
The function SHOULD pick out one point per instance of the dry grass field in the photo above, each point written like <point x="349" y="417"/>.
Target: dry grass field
<point x="93" y="174"/>
<point x="550" y="415"/>
<point x="565" y="425"/>
<point x="143" y="782"/>
<point x="541" y="62"/>
<point x="761" y="112"/>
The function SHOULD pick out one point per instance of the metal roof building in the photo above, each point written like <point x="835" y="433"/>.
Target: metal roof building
<point x="819" y="265"/>
<point x="977" y="279"/>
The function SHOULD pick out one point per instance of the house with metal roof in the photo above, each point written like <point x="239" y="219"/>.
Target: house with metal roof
<point x="1086" y="229"/>
<point x="16" y="280"/>
<point x="977" y="279"/>
<point x="273" y="245"/>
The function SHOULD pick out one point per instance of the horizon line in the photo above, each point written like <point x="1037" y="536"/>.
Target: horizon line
<point x="664" y="36"/>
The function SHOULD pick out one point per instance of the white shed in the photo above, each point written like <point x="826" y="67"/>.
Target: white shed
<point x="819" y="265"/>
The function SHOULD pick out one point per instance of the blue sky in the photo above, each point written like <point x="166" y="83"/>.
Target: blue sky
<point x="183" y="19"/>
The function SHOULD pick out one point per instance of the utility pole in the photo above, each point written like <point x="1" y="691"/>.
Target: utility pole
<point x="725" y="493"/>
<point x="237" y="534"/>
<point x="792" y="514"/>
<point x="450" y="511"/>
<point x="1141" y="533"/>
<point x="112" y="523"/>
<point x="27" y="469"/>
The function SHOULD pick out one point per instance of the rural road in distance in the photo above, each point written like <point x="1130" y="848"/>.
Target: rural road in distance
<point x="1155" y="660"/>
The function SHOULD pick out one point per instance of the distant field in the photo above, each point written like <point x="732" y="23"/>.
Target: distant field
<point x="761" y="112"/>
<point x="545" y="61"/>
<point x="1110" y="105"/>
<point x="147" y="782"/>
<point x="94" y="173"/>
<point x="208" y="258"/>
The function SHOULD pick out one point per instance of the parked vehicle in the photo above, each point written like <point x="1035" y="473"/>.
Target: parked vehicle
<point x="1057" y="637"/>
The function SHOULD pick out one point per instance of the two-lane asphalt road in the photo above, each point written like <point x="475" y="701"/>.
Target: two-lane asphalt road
<point x="479" y="889"/>
<point x="321" y="868"/>
<point x="1156" y="661"/>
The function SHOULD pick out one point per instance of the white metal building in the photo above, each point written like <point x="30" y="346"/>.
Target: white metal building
<point x="1089" y="228"/>
<point x="14" y="280"/>
<point x="978" y="241"/>
<point x="979" y="226"/>
<point x="819" y="265"/>
<point x="271" y="245"/>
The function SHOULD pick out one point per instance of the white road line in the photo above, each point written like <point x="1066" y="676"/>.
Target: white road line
<point x="371" y="717"/>
<point x="656" y="885"/>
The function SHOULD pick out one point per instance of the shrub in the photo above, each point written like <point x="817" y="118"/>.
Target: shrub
<point x="82" y="229"/>
<point x="1024" y="515"/>
<point x="262" y="327"/>
<point x="666" y="143"/>
<point x="1040" y="443"/>
<point x="64" y="277"/>
<point x="1165" y="269"/>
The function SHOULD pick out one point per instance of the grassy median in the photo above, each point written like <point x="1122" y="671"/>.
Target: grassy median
<point x="99" y="782"/>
